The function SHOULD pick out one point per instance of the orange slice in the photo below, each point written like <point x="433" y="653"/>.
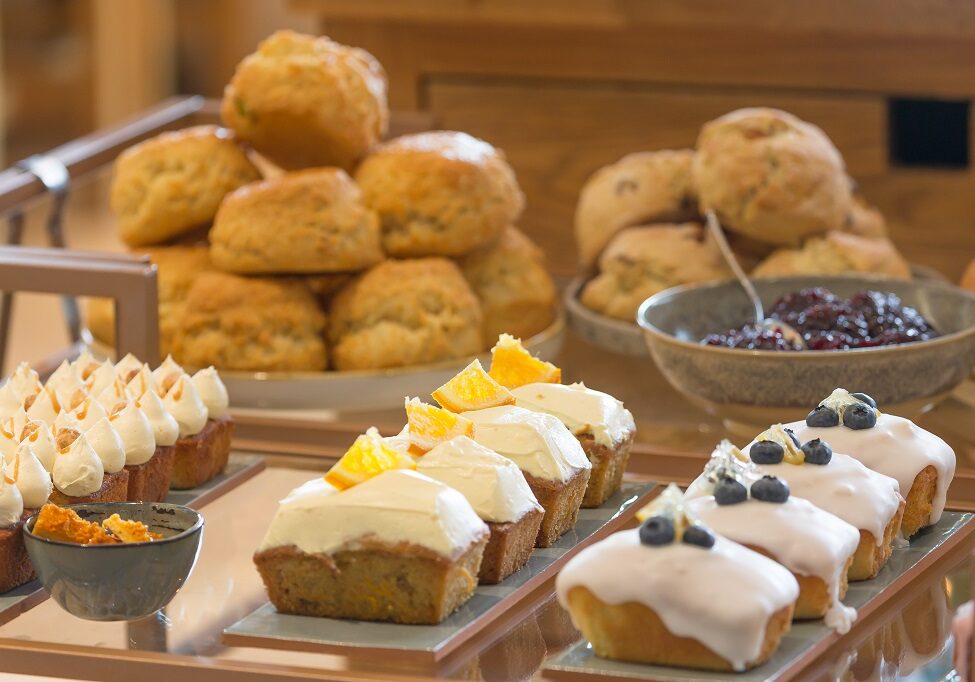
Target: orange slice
<point x="513" y="366"/>
<point x="369" y="456"/>
<point x="431" y="425"/>
<point x="472" y="389"/>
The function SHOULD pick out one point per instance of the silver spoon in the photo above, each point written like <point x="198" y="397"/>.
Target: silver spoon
<point x="788" y="332"/>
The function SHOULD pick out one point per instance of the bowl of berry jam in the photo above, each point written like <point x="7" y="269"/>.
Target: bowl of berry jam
<point x="908" y="344"/>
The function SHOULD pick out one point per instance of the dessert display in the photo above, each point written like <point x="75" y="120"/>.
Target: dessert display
<point x="829" y="322"/>
<point x="922" y="463"/>
<point x="760" y="513"/>
<point x="672" y="592"/>
<point x="64" y="525"/>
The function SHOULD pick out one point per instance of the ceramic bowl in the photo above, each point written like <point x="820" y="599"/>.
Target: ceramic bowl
<point x="757" y="388"/>
<point x="125" y="581"/>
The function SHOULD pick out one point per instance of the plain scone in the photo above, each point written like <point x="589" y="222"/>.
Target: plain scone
<point x="770" y="176"/>
<point x="309" y="221"/>
<point x="405" y="313"/>
<point x="439" y="193"/>
<point x="174" y="182"/>
<point x="517" y="294"/>
<point x="255" y="324"/>
<point x="176" y="269"/>
<point x="837" y="253"/>
<point x="865" y="220"/>
<point x="641" y="261"/>
<point x="305" y="101"/>
<point x="639" y="189"/>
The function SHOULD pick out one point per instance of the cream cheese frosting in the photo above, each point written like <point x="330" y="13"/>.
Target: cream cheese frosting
<point x="11" y="429"/>
<point x="107" y="444"/>
<point x="65" y="380"/>
<point x="100" y="378"/>
<point x="212" y="391"/>
<point x="167" y="373"/>
<point x="581" y="409"/>
<point x="41" y="440"/>
<point x="30" y="477"/>
<point x="89" y="413"/>
<point x="394" y="507"/>
<point x="184" y="403"/>
<point x="10" y="402"/>
<point x="25" y="381"/>
<point x="45" y="407"/>
<point x="136" y="433"/>
<point x="125" y="367"/>
<point x="11" y="501"/>
<point x="114" y="396"/>
<point x="77" y="469"/>
<point x="142" y="381"/>
<point x="85" y="364"/>
<point x="722" y="597"/>
<point x="538" y="443"/>
<point x="165" y="430"/>
<point x="494" y="485"/>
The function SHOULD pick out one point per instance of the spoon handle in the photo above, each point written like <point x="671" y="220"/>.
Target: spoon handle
<point x="715" y="229"/>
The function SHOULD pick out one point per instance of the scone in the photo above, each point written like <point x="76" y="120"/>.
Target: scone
<point x="836" y="253"/>
<point x="864" y="220"/>
<point x="639" y="189"/>
<point x="517" y="294"/>
<point x="255" y="324"/>
<point x="304" y="222"/>
<point x="176" y="269"/>
<point x="672" y="592"/>
<point x="771" y="176"/>
<point x="174" y="182"/>
<point x="15" y="566"/>
<point x="921" y="462"/>
<point x="305" y="101"/>
<point x="405" y="312"/>
<point x="641" y="261"/>
<point x="439" y="194"/>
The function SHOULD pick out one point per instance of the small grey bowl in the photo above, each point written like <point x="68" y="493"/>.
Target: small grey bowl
<point x="755" y="388"/>
<point x="125" y="581"/>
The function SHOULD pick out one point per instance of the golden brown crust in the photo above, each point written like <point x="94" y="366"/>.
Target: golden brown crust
<point x="15" y="566"/>
<point x="509" y="547"/>
<point x="639" y="189"/>
<point x="307" y="101"/>
<point x="864" y="220"/>
<point x="770" y="175"/>
<point x="250" y="323"/>
<point x="517" y="294"/>
<point x="404" y="313"/>
<point x="837" y="253"/>
<point x="920" y="501"/>
<point x="174" y="182"/>
<point x="814" y="593"/>
<point x="115" y="488"/>
<point x="304" y="222"/>
<point x="608" y="466"/>
<point x="439" y="194"/>
<point x="561" y="501"/>
<point x="641" y="261"/>
<point x="871" y="557"/>
<point x="150" y="481"/>
<point x="197" y="459"/>
<point x="634" y="632"/>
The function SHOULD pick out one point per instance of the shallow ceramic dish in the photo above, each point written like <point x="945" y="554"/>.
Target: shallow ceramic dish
<point x="125" y="581"/>
<point x="755" y="387"/>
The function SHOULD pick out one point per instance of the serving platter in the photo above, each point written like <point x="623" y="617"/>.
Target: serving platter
<point x="240" y="468"/>
<point x="266" y="627"/>
<point x="805" y="641"/>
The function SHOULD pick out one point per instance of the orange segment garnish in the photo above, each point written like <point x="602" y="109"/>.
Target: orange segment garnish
<point x="513" y="366"/>
<point x="369" y="456"/>
<point x="472" y="389"/>
<point x="431" y="425"/>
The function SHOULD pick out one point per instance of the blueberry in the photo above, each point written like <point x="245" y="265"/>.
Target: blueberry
<point x="770" y="489"/>
<point x="859" y="416"/>
<point x="864" y="398"/>
<point x="817" y="452"/>
<point x="792" y="435"/>
<point x="766" y="452"/>
<point x="729" y="491"/>
<point x="823" y="416"/>
<point x="657" y="530"/>
<point x="700" y="536"/>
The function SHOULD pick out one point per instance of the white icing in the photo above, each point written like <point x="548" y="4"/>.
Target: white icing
<point x="723" y="596"/>
<point x="184" y="403"/>
<point x="396" y="506"/>
<point x="10" y="432"/>
<point x="30" y="477"/>
<point x="136" y="434"/>
<point x="494" y="485"/>
<point x="85" y="364"/>
<point x="11" y="501"/>
<point x="107" y="444"/>
<point x="581" y="409"/>
<point x="142" y="382"/>
<point x="127" y="365"/>
<point x="212" y="391"/>
<point x="77" y="469"/>
<point x="165" y="430"/>
<point x="89" y="413"/>
<point x="67" y="421"/>
<point x="45" y="407"/>
<point x="101" y="378"/>
<point x="10" y="402"/>
<point x="42" y="443"/>
<point x="65" y="380"/>
<point x="166" y="373"/>
<point x="538" y="443"/>
<point x="113" y="396"/>
<point x="24" y="381"/>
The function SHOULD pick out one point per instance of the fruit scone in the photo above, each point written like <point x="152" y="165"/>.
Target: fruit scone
<point x="842" y="486"/>
<point x="398" y="546"/>
<point x="24" y="487"/>
<point x="759" y="512"/>
<point x="922" y="463"/>
<point x="673" y="593"/>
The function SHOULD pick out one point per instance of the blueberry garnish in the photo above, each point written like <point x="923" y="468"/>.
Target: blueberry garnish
<point x="657" y="530"/>
<point x="700" y="536"/>
<point x="859" y="416"/>
<point x="864" y="398"/>
<point x="729" y="491"/>
<point x="770" y="489"/>
<point x="766" y="452"/>
<point x="792" y="435"/>
<point x="817" y="452"/>
<point x="823" y="416"/>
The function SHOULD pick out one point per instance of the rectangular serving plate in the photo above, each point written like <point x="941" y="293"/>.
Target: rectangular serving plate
<point x="240" y="468"/>
<point x="265" y="627"/>
<point x="805" y="640"/>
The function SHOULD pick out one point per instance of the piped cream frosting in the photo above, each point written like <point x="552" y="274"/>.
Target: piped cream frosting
<point x="30" y="477"/>
<point x="125" y="367"/>
<point x="107" y="444"/>
<point x="45" y="407"/>
<point x="100" y="378"/>
<point x="136" y="434"/>
<point x="25" y="381"/>
<point x="11" y="501"/>
<point x="142" y="382"/>
<point x="212" y="391"/>
<point x="77" y="470"/>
<point x="581" y="409"/>
<point x="184" y="403"/>
<point x="167" y="373"/>
<point x="165" y="430"/>
<point x="41" y="440"/>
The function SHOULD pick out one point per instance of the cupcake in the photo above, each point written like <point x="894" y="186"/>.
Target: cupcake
<point x="79" y="475"/>
<point x="15" y="566"/>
